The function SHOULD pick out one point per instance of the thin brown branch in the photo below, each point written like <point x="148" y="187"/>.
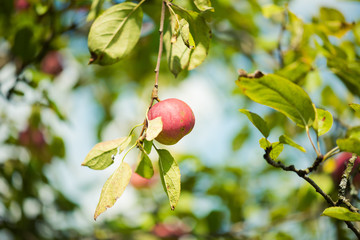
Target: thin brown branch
<point x="154" y="93"/>
<point x="303" y="174"/>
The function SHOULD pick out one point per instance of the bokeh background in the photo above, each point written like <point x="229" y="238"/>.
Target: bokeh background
<point x="54" y="107"/>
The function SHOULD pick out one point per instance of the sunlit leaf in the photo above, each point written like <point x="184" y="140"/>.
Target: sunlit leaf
<point x="154" y="128"/>
<point x="355" y="106"/>
<point x="258" y="122"/>
<point x="203" y="5"/>
<point x="270" y="10"/>
<point x="281" y="94"/>
<point x="276" y="147"/>
<point x="113" y="188"/>
<point x="179" y="56"/>
<point x="170" y="176"/>
<point x="185" y="34"/>
<point x="101" y="155"/>
<point x="144" y="167"/>
<point x="115" y="33"/>
<point x="323" y="122"/>
<point x="349" y="145"/>
<point x="286" y="140"/>
<point x="341" y="213"/>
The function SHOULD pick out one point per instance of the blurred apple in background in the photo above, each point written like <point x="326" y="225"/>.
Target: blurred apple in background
<point x="340" y="164"/>
<point x="52" y="63"/>
<point x="139" y="182"/>
<point x="20" y="4"/>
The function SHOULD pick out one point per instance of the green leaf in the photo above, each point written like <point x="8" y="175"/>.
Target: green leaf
<point x="170" y="176"/>
<point x="323" y="122"/>
<point x="115" y="33"/>
<point x="286" y="140"/>
<point x="145" y="167"/>
<point x="101" y="155"/>
<point x="95" y="9"/>
<point x="179" y="56"/>
<point x="264" y="143"/>
<point x="355" y="106"/>
<point x="353" y="132"/>
<point x="270" y="10"/>
<point x="185" y="34"/>
<point x="204" y="5"/>
<point x="349" y="145"/>
<point x="240" y="138"/>
<point x="154" y="128"/>
<point x="258" y="122"/>
<point x="281" y="94"/>
<point x="147" y="146"/>
<point x="113" y="188"/>
<point x="341" y="213"/>
<point x="276" y="147"/>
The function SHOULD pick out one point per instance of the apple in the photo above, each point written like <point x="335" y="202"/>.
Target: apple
<point x="167" y="230"/>
<point x="21" y="5"/>
<point x="341" y="161"/>
<point x="177" y="117"/>
<point x="140" y="182"/>
<point x="52" y="63"/>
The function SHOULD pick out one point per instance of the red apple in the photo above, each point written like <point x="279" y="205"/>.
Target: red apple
<point x="52" y="63"/>
<point x="164" y="230"/>
<point x="341" y="161"/>
<point x="21" y="5"/>
<point x="177" y="118"/>
<point x="139" y="182"/>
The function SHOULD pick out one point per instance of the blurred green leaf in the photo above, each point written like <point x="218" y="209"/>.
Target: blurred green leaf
<point x="355" y="106"/>
<point x="204" y="5"/>
<point x="270" y="10"/>
<point x="170" y="176"/>
<point x="240" y="138"/>
<point x="101" y="155"/>
<point x="281" y="94"/>
<point x="341" y="213"/>
<point x="115" y="33"/>
<point x="95" y="9"/>
<point x="349" y="145"/>
<point x="258" y="122"/>
<point x="287" y="140"/>
<point x="353" y="132"/>
<point x="144" y="167"/>
<point x="323" y="122"/>
<point x="154" y="128"/>
<point x="113" y="188"/>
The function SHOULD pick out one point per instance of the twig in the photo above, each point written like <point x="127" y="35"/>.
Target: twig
<point x="303" y="175"/>
<point x="308" y="134"/>
<point x="154" y="93"/>
<point x="344" y="182"/>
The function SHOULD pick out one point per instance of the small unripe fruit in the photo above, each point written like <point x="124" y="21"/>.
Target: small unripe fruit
<point x="177" y="118"/>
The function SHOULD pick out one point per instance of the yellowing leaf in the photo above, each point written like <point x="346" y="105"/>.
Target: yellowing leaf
<point x="154" y="128"/>
<point x="323" y="122"/>
<point x="286" y="140"/>
<point x="113" y="188"/>
<point x="170" y="176"/>
<point x="341" y="213"/>
<point x="101" y="155"/>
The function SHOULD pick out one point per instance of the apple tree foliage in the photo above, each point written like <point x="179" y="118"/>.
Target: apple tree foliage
<point x="304" y="67"/>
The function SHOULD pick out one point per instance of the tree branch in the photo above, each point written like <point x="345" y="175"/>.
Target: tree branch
<point x="303" y="174"/>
